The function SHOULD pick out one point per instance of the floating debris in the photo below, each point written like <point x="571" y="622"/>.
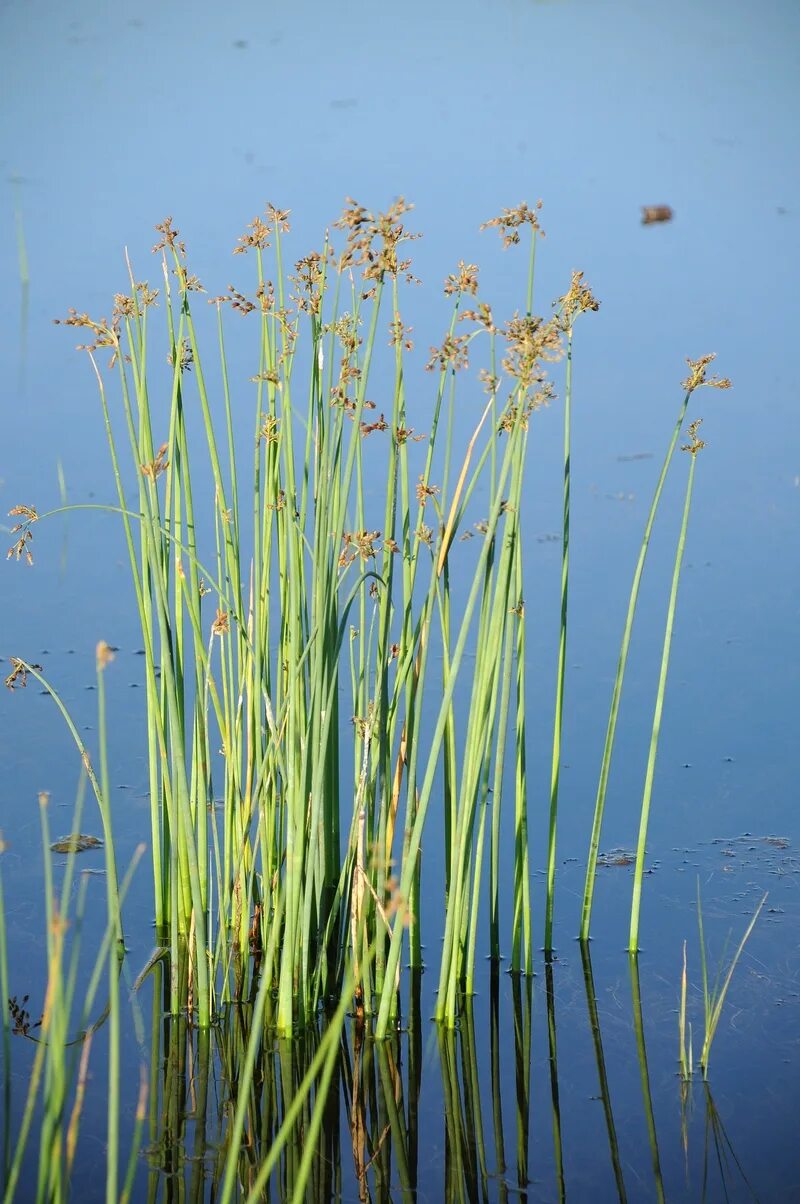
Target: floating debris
<point x="76" y="843"/>
<point x="617" y="857"/>
<point x="652" y="214"/>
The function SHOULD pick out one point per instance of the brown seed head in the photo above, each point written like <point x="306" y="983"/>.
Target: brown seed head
<point x="465" y="280"/>
<point x="453" y="353"/>
<point x="695" y="444"/>
<point x="577" y="300"/>
<point x="169" y="237"/>
<point x="156" y="467"/>
<point x="510" y="222"/>
<point x="104" y="655"/>
<point x="258" y="237"/>
<point x="372" y="241"/>
<point x="697" y="375"/>
<point x="220" y="626"/>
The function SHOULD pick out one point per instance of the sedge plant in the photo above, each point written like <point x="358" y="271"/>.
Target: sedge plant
<point x="277" y="609"/>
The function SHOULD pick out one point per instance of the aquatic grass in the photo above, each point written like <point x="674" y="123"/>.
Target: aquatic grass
<point x="694" y="446"/>
<point x="714" y="994"/>
<point x="305" y="650"/>
<point x="281" y="626"/>
<point x="698" y="376"/>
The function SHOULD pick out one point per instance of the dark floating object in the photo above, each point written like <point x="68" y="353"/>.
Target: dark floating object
<point x="617" y="857"/>
<point x="77" y="843"/>
<point x="651" y="214"/>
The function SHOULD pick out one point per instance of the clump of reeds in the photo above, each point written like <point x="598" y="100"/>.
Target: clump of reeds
<point x="286" y="855"/>
<point x="304" y="645"/>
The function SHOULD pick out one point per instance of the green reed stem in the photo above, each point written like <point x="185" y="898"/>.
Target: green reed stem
<point x="558" y="710"/>
<point x="633" y="941"/>
<point x="616" y="696"/>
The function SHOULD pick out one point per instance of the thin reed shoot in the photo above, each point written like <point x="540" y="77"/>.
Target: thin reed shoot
<point x="714" y="994"/>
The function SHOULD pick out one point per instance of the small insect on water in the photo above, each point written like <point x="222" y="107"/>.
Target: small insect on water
<point x="656" y="213"/>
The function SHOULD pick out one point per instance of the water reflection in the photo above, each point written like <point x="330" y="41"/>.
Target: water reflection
<point x="432" y="1113"/>
<point x="368" y="1144"/>
<point x="641" y="1054"/>
<point x="553" y="1050"/>
<point x="605" y="1094"/>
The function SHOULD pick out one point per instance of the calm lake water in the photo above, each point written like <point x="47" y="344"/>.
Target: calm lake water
<point x="114" y="118"/>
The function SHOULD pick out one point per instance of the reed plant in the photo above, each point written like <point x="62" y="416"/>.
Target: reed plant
<point x="312" y="612"/>
<point x="307" y="644"/>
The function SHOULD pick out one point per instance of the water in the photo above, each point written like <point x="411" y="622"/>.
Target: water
<point x="114" y="120"/>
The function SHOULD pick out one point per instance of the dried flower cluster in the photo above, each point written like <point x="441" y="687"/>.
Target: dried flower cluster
<point x="358" y="543"/>
<point x="697" y="375"/>
<point x="695" y="443"/>
<point x="453" y="353"/>
<point x="399" y="334"/>
<point x="532" y="342"/>
<point x="221" y="625"/>
<point x="578" y="299"/>
<point x="367" y="428"/>
<point x="258" y="237"/>
<point x="22" y="546"/>
<point x="105" y="334"/>
<point x="510" y="222"/>
<point x="424" y="491"/>
<point x="104" y="655"/>
<point x="169" y="238"/>
<point x="465" y="280"/>
<point x="482" y="316"/>
<point x="22" y="1024"/>
<point x="309" y="280"/>
<point x="19" y="673"/>
<point x="156" y="467"/>
<point x="372" y="241"/>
